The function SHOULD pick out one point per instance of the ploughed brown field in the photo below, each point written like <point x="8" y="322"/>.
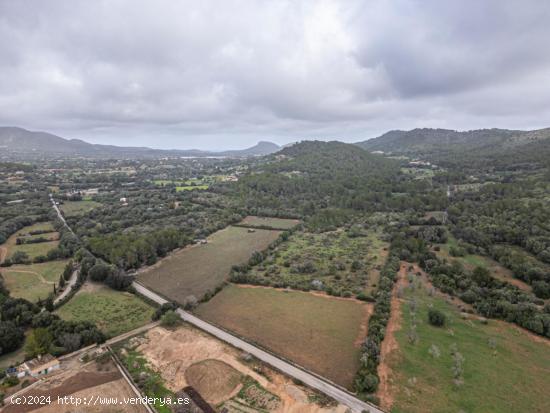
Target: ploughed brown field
<point x="321" y="333"/>
<point x="202" y="267"/>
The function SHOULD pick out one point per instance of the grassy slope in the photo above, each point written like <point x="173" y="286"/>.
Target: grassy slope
<point x="514" y="379"/>
<point x="316" y="332"/>
<point x="114" y="312"/>
<point x="24" y="281"/>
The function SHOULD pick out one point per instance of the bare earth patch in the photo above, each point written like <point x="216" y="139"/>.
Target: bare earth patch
<point x="181" y="355"/>
<point x="215" y="380"/>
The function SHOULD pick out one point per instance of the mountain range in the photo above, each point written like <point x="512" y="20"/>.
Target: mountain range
<point x="441" y="145"/>
<point x="431" y="141"/>
<point x="19" y="141"/>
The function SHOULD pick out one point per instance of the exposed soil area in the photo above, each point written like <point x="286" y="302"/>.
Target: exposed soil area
<point x="187" y="356"/>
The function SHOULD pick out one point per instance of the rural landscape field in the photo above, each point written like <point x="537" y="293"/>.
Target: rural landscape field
<point x="200" y="269"/>
<point x="274" y="207"/>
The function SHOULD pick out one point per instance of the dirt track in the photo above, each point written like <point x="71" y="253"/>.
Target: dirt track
<point x="390" y="346"/>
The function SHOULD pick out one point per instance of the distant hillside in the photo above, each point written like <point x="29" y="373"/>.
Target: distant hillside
<point x="24" y="143"/>
<point x="444" y="145"/>
<point x="330" y="158"/>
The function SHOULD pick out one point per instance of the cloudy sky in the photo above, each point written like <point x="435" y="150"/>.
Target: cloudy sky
<point x="225" y="74"/>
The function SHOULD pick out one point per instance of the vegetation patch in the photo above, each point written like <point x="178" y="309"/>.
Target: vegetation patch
<point x="319" y="333"/>
<point x="199" y="269"/>
<point x="471" y="261"/>
<point x="342" y="263"/>
<point x="148" y="380"/>
<point x="268" y="222"/>
<point x="77" y="208"/>
<point x="468" y="365"/>
<point x="32" y="249"/>
<point x="114" y="312"/>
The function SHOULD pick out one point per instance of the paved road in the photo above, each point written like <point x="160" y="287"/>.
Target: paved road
<point x="301" y="374"/>
<point x="60" y="215"/>
<point x="68" y="287"/>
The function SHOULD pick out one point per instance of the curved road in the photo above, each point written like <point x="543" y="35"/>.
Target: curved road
<point x="303" y="375"/>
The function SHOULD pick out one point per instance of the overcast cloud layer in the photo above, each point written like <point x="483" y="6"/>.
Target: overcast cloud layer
<point x="225" y="74"/>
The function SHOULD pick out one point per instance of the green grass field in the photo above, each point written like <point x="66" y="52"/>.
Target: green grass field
<point x="114" y="312"/>
<point x="511" y="377"/>
<point x="76" y="208"/>
<point x="32" y="250"/>
<point x="320" y="333"/>
<point x="34" y="281"/>
<point x="199" y="268"/>
<point x="274" y="223"/>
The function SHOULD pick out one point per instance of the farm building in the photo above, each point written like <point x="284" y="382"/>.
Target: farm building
<point x="38" y="367"/>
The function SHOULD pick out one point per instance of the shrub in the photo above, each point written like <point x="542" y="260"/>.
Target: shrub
<point x="163" y="309"/>
<point x="170" y="319"/>
<point x="436" y="317"/>
<point x="10" y="381"/>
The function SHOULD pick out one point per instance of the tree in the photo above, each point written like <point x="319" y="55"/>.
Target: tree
<point x="70" y="341"/>
<point x="38" y="342"/>
<point x="11" y="337"/>
<point x="100" y="271"/>
<point x="367" y="383"/>
<point x="170" y="319"/>
<point x="20" y="257"/>
<point x="436" y="317"/>
<point x="163" y="309"/>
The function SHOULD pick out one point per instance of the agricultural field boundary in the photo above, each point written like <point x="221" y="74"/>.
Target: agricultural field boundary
<point x="289" y="368"/>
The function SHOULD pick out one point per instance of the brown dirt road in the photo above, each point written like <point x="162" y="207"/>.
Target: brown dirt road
<point x="390" y="346"/>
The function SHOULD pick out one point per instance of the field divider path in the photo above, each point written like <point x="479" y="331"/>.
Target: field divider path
<point x="129" y="380"/>
<point x="309" y="378"/>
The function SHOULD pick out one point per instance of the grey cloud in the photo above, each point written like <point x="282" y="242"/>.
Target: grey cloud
<point x="223" y="74"/>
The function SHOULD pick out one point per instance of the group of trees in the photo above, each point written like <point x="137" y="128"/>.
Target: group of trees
<point x="367" y="380"/>
<point x="489" y="296"/>
<point x="47" y="332"/>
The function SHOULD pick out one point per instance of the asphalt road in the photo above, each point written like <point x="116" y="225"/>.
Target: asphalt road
<point x="301" y="374"/>
<point x="68" y="287"/>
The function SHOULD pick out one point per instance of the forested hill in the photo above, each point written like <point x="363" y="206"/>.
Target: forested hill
<point x="499" y="146"/>
<point x="328" y="180"/>
<point x="330" y="158"/>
